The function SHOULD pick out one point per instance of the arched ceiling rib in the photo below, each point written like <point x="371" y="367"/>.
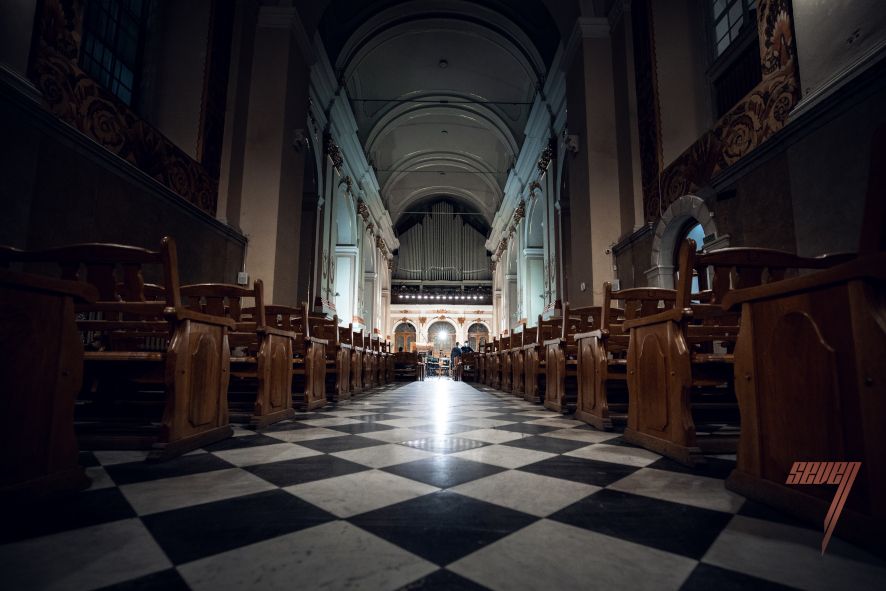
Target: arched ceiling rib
<point x="441" y="91"/>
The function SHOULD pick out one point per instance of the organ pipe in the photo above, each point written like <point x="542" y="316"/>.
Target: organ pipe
<point x="442" y="247"/>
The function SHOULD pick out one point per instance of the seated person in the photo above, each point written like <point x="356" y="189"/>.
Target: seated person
<point x="455" y="354"/>
<point x="399" y="349"/>
<point x="466" y="348"/>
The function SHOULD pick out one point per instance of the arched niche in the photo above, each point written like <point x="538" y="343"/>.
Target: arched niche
<point x="442" y="334"/>
<point x="478" y="334"/>
<point x="344" y="221"/>
<point x="675" y="223"/>
<point x="405" y="334"/>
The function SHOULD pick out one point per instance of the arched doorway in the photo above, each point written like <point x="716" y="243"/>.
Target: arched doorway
<point x="442" y="335"/>
<point x="404" y="336"/>
<point x="478" y="335"/>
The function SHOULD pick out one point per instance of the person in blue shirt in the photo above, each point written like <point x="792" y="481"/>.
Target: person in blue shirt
<point x="456" y="352"/>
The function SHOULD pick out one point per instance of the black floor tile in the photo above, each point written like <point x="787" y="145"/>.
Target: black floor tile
<point x="291" y="472"/>
<point x="514" y="417"/>
<point x="443" y="580"/>
<point x="708" y="576"/>
<point x="443" y="471"/>
<point x="580" y="470"/>
<point x="527" y="428"/>
<point x="284" y="426"/>
<point x="444" y="429"/>
<point x="49" y="516"/>
<point x="713" y="467"/>
<point x="442" y="527"/>
<point x="331" y="445"/>
<point x="554" y="445"/>
<point x="758" y="510"/>
<point x="672" y="527"/>
<point x="181" y="466"/>
<point x="241" y="442"/>
<point x="355" y="428"/>
<point x="444" y="445"/>
<point x="202" y="530"/>
<point x="166" y="580"/>
<point x="87" y="459"/>
<point x="369" y="417"/>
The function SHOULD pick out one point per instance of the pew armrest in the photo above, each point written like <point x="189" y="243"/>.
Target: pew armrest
<point x="276" y="332"/>
<point x="183" y="314"/>
<point x="864" y="267"/>
<point x="675" y="315"/>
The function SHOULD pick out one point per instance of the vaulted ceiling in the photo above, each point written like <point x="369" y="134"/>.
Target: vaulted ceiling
<point x="441" y="91"/>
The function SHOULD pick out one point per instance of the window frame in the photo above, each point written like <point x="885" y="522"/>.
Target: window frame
<point x="719" y="63"/>
<point x="91" y="12"/>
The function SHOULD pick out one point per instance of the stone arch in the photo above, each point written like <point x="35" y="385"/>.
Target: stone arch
<point x="669" y="231"/>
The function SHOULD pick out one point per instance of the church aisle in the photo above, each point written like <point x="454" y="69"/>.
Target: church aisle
<point x="386" y="490"/>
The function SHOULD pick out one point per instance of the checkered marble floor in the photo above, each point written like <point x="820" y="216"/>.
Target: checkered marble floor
<point x="429" y="485"/>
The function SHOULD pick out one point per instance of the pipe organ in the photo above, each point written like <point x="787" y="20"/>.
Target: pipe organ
<point x="442" y="247"/>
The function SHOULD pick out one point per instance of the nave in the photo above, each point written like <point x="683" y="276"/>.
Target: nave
<point x="434" y="484"/>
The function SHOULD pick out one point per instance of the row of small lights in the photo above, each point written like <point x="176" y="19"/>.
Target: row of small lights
<point x="432" y="297"/>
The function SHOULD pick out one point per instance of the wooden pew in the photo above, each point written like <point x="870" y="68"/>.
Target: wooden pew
<point x="261" y="354"/>
<point x="504" y="363"/>
<point x="357" y="352"/>
<point x="811" y="380"/>
<point x="495" y="364"/>
<point x="406" y="366"/>
<point x="602" y="353"/>
<point x="341" y="350"/>
<point x="469" y="371"/>
<point x="518" y="339"/>
<point x="389" y="363"/>
<point x="561" y="358"/>
<point x="324" y="332"/>
<point x="534" y="358"/>
<point x="676" y="377"/>
<point x="370" y="361"/>
<point x="481" y="363"/>
<point x="118" y="406"/>
<point x="42" y="369"/>
<point x="378" y="377"/>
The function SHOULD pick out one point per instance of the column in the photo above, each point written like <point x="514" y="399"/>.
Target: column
<point x="595" y="213"/>
<point x="273" y="170"/>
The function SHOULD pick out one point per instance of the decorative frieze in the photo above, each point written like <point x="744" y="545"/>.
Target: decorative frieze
<point x="333" y="152"/>
<point x="544" y="160"/>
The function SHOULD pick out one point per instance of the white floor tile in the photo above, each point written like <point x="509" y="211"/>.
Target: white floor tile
<point x="346" y="496"/>
<point x="263" y="454"/>
<point x="100" y="478"/>
<point x="689" y="489"/>
<point x="111" y="457"/>
<point x="86" y="558"/>
<point x="792" y="556"/>
<point x="550" y="555"/>
<point x="396" y="435"/>
<point x="331" y="556"/>
<point x="491" y="435"/>
<point x="582" y="435"/>
<point x="194" y="489"/>
<point x="503" y="455"/>
<point x="305" y="434"/>
<point x="405" y="422"/>
<point x="330" y="422"/>
<point x="529" y="493"/>
<point x="381" y="456"/>
<point x="619" y="454"/>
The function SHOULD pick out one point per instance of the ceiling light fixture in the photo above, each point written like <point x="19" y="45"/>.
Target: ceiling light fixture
<point x="443" y="64"/>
